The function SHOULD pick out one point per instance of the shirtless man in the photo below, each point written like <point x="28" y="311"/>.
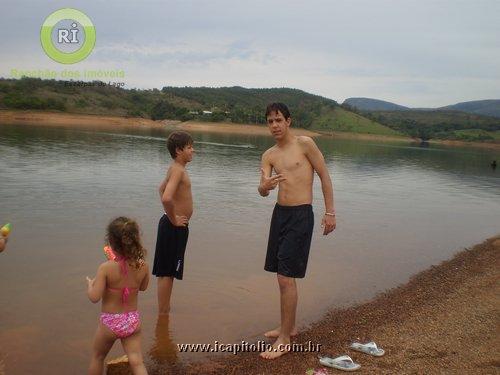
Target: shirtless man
<point x="294" y="159"/>
<point x="175" y="194"/>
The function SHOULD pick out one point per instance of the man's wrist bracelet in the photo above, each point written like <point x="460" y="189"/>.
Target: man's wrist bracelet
<point x="330" y="213"/>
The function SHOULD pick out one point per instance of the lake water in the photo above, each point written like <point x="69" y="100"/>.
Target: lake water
<point x="401" y="208"/>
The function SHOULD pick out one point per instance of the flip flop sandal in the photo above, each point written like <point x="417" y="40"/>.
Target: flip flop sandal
<point x="344" y="363"/>
<point x="368" y="348"/>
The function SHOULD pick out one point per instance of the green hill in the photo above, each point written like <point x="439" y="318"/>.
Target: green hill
<point x="368" y="104"/>
<point x="231" y="104"/>
<point x="489" y="107"/>
<point x="342" y="120"/>
<point x="440" y="124"/>
<point x="242" y="105"/>
<point x="480" y="107"/>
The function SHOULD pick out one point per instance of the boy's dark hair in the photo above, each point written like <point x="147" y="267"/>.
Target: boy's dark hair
<point x="275" y="107"/>
<point x="177" y="140"/>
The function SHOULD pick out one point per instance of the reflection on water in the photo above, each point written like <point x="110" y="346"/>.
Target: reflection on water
<point x="163" y="352"/>
<point x="400" y="209"/>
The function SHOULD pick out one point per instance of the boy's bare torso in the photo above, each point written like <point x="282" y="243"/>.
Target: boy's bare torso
<point x="292" y="163"/>
<point x="182" y="198"/>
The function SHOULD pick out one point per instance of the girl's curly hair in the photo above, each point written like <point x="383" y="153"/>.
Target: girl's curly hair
<point x="124" y="238"/>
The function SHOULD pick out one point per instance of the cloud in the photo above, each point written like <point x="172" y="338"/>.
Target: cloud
<point x="193" y="52"/>
<point x="420" y="53"/>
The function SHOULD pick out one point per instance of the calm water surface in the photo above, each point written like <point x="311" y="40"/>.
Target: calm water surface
<point x="401" y="208"/>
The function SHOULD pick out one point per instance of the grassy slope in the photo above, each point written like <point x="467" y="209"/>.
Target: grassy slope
<point x="473" y="133"/>
<point x="327" y="119"/>
<point x="342" y="120"/>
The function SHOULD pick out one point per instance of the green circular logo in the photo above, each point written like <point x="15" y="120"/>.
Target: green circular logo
<point x="58" y="42"/>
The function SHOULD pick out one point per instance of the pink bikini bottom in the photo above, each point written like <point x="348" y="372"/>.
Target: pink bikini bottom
<point x="122" y="325"/>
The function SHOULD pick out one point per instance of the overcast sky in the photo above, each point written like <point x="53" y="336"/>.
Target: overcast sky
<point x="424" y="53"/>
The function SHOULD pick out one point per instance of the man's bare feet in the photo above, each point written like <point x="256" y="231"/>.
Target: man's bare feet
<point x="279" y="348"/>
<point x="274" y="333"/>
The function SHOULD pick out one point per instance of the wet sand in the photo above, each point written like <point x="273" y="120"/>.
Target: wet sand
<point x="444" y="320"/>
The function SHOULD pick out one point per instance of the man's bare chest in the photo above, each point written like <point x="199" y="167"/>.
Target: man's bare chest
<point x="290" y="163"/>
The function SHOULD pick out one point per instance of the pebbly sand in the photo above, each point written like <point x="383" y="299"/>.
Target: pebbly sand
<point x="444" y="320"/>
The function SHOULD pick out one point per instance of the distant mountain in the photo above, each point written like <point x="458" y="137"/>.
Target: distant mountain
<point x="368" y="104"/>
<point x="489" y="107"/>
<point x="480" y="107"/>
<point x="468" y="121"/>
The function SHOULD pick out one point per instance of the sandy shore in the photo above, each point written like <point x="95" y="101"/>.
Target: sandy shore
<point x="416" y="141"/>
<point x="59" y="119"/>
<point x="493" y="146"/>
<point x="214" y="127"/>
<point x="444" y="320"/>
<point x="100" y="122"/>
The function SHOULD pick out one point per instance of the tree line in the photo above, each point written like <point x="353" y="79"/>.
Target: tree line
<point x="231" y="104"/>
<point x="439" y="124"/>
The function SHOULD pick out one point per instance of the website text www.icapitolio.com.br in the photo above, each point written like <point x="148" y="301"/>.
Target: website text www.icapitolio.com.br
<point x="244" y="346"/>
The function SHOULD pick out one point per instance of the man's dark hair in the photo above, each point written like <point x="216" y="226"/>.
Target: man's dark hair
<point x="275" y="107"/>
<point x="177" y="140"/>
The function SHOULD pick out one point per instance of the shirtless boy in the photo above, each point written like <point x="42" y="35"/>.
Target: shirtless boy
<point x="175" y="194"/>
<point x="294" y="159"/>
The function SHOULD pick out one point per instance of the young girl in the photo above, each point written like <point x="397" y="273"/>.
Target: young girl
<point x="118" y="282"/>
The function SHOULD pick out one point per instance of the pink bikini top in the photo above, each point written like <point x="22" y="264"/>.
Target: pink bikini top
<point x="125" y="290"/>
